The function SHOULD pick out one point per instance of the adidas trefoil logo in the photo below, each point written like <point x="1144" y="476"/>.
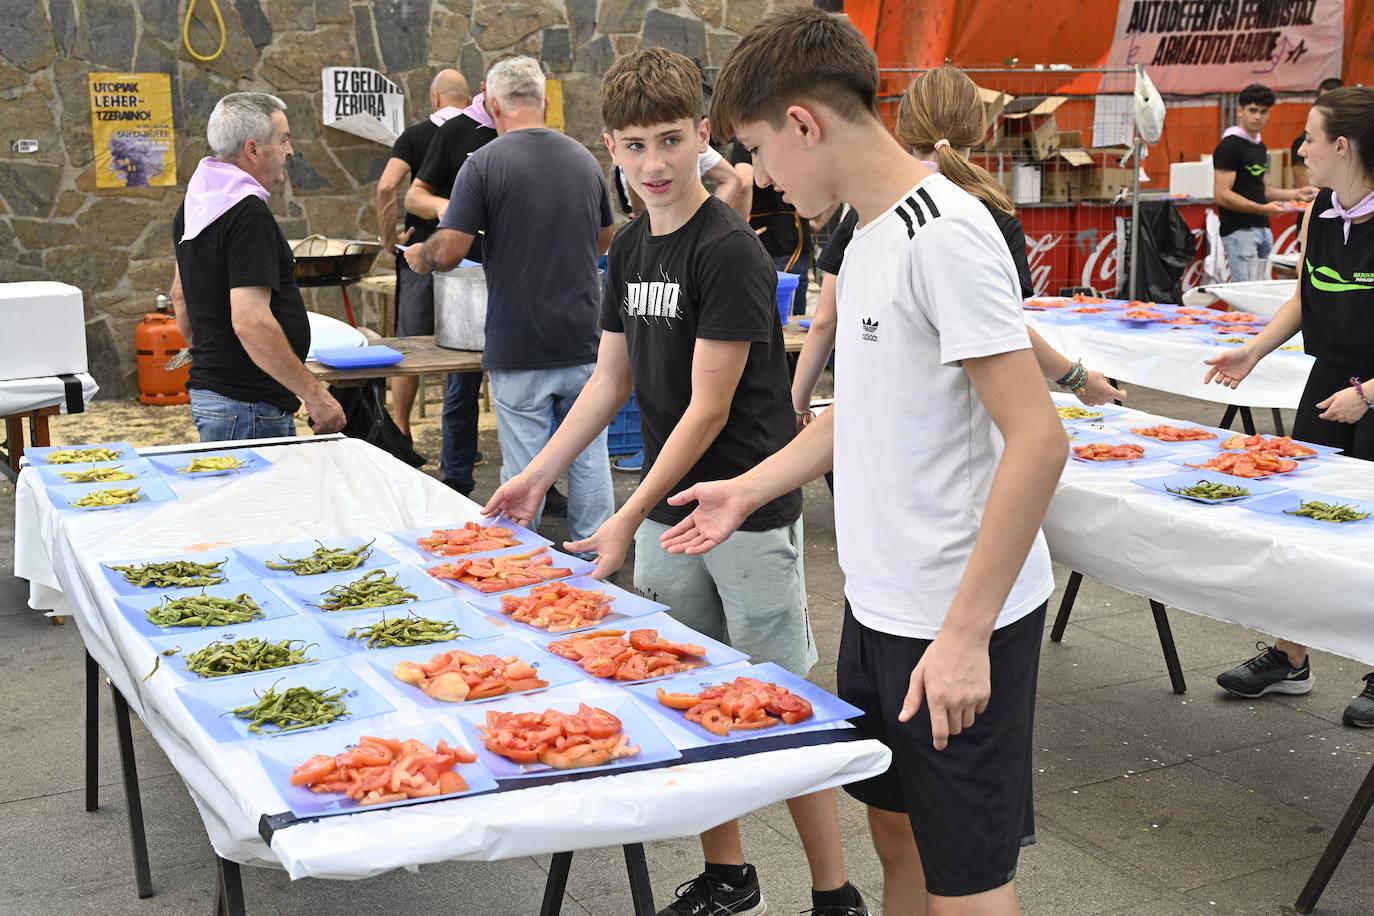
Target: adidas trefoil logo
<point x="870" y="330"/>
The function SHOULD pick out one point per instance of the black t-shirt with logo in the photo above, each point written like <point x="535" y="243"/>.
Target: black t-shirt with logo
<point x="457" y="139"/>
<point x="1250" y="162"/>
<point x="710" y="280"/>
<point x="244" y="247"/>
<point x="410" y="148"/>
<point x="788" y="235"/>
<point x="1338" y="292"/>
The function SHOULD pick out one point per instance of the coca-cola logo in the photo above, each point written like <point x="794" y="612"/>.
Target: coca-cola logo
<point x="1099" y="270"/>
<point x="1037" y="257"/>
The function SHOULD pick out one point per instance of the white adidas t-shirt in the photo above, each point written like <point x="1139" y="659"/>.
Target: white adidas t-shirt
<point x="926" y="284"/>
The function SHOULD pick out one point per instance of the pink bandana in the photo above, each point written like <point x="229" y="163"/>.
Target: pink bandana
<point x="478" y="111"/>
<point x="213" y="190"/>
<point x="1240" y="132"/>
<point x="1363" y="208"/>
<point x="444" y="114"/>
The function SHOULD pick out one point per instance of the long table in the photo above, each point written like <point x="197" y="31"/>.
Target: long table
<point x="332" y="487"/>
<point x="1297" y="580"/>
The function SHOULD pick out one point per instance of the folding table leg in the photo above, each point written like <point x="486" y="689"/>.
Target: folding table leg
<point x="1112" y="382"/>
<point x="137" y="837"/>
<point x="1229" y="416"/>
<point x="348" y="304"/>
<point x="641" y="892"/>
<point x="229" y="889"/>
<point x="92" y="734"/>
<point x="1166" y="642"/>
<point x="1340" y="842"/>
<point x="1278" y="422"/>
<point x="557" y="884"/>
<point x="1247" y="421"/>
<point x="1061" y="620"/>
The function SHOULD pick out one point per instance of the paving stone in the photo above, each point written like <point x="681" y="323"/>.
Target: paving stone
<point x="1072" y="749"/>
<point x="1085" y="661"/>
<point x="1273" y="890"/>
<point x="1201" y="641"/>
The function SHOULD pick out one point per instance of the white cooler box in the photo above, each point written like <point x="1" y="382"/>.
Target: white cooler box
<point x="45" y="330"/>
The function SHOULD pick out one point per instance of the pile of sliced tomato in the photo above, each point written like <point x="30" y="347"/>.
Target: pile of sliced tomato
<point x="1089" y="309"/>
<point x="500" y="574"/>
<point x="1237" y="318"/>
<point x="639" y="656"/>
<point x="1283" y="446"/>
<point x="1185" y="320"/>
<point x="1102" y="451"/>
<point x="1166" y="433"/>
<point x="455" y="676"/>
<point x="1084" y="299"/>
<point x="1045" y="303"/>
<point x="566" y="741"/>
<point x="558" y="607"/>
<point x="744" y="703"/>
<point x="381" y="770"/>
<point x="471" y="538"/>
<point x="1143" y="314"/>
<point x="1248" y="464"/>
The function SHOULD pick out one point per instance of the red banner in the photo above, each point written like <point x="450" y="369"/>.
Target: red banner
<point x="1202" y="46"/>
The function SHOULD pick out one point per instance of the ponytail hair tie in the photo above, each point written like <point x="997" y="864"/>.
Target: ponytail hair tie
<point x="942" y="142"/>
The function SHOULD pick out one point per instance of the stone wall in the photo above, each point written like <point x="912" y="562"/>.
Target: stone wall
<point x="116" y="245"/>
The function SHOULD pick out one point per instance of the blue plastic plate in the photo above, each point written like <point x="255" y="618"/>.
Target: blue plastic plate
<point x="624" y="605"/>
<point x="1275" y="506"/>
<point x="281" y="757"/>
<point x="1189" y="463"/>
<point x="717" y="653"/>
<point x="470" y="623"/>
<point x="386" y="660"/>
<point x="210" y="702"/>
<point x="1218" y="434"/>
<point x="257" y="558"/>
<point x="1106" y="410"/>
<point x="371" y="357"/>
<point x="38" y="455"/>
<point x="141" y="468"/>
<point x="411" y="537"/>
<point x="826" y="708"/>
<point x="1178" y="481"/>
<point x="150" y="490"/>
<point x="575" y="566"/>
<point x="1082" y="435"/>
<point x="306" y="592"/>
<point x="135" y="609"/>
<point x="293" y="627"/>
<point x="804" y="323"/>
<point x="172" y="463"/>
<point x="233" y="570"/>
<point x="1319" y="449"/>
<point x="1152" y="452"/>
<point x="654" y="746"/>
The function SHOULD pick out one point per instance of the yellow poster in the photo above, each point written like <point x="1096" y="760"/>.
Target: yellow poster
<point x="553" y="97"/>
<point x="131" y="123"/>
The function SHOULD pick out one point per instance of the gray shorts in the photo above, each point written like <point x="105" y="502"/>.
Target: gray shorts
<point x="414" y="302"/>
<point x="749" y="592"/>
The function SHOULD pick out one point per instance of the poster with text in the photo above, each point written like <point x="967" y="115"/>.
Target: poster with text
<point x="131" y="127"/>
<point x="1203" y="46"/>
<point x="364" y="103"/>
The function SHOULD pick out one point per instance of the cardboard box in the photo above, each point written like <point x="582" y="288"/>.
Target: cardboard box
<point x="1071" y="139"/>
<point x="994" y="100"/>
<point x="1105" y="182"/>
<point x="1064" y="173"/>
<point x="45" y="330"/>
<point x="1192" y="179"/>
<point x="1030" y="120"/>
<point x="1280" y="169"/>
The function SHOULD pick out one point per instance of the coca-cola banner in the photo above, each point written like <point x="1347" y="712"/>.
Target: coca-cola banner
<point x="1201" y="46"/>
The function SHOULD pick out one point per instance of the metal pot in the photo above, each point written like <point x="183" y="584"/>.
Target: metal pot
<point x="460" y="308"/>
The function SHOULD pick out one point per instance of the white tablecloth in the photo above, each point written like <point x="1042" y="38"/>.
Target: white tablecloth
<point x="1172" y="361"/>
<point x="25" y="394"/>
<point x="346" y="487"/>
<point x="1304" y="582"/>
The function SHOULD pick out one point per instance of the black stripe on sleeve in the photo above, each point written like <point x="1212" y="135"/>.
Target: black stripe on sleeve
<point x="934" y="210"/>
<point x="916" y="208"/>
<point x="910" y="231"/>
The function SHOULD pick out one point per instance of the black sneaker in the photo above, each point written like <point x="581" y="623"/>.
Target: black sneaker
<point x="1360" y="712"/>
<point x="556" y="504"/>
<point x="1268" y="672"/>
<point x="855" y="908"/>
<point x="708" y="895"/>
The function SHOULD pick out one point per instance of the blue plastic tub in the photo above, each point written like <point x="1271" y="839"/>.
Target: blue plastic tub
<point x="787" y="291"/>
<point x="622" y="436"/>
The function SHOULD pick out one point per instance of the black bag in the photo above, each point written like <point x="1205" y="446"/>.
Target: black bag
<point x="1167" y="247"/>
<point x="365" y="408"/>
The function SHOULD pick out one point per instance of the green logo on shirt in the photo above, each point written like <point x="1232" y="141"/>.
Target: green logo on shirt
<point x="1329" y="281"/>
<point x="1257" y="170"/>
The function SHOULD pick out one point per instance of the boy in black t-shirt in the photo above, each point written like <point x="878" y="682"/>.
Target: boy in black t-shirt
<point x="689" y="322"/>
<point x="1240" y="162"/>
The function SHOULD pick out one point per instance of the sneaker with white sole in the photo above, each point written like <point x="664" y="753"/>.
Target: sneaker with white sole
<point x="708" y="895"/>
<point x="1268" y="672"/>
<point x="1360" y="712"/>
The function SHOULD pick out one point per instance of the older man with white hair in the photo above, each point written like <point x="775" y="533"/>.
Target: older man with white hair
<point x="540" y="199"/>
<point x="235" y="293"/>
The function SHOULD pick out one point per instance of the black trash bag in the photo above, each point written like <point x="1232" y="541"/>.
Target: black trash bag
<point x="367" y="419"/>
<point x="1167" y="247"/>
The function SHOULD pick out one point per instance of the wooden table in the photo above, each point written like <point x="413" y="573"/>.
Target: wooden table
<point x="424" y="357"/>
<point x="38" y="431"/>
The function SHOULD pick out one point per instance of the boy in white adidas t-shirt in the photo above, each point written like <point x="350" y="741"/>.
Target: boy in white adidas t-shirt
<point x="946" y="450"/>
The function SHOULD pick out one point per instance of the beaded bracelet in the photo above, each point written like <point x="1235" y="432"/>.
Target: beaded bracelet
<point x="1359" y="390"/>
<point x="1075" y="379"/>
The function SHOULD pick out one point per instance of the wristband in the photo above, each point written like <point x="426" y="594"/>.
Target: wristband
<point x="1359" y="391"/>
<point x="1075" y="379"/>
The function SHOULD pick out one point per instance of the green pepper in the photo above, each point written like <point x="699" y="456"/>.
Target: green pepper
<point x="326" y="559"/>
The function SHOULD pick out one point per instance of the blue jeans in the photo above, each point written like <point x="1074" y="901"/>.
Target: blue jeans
<point x="1243" y="248"/>
<point x="221" y="419"/>
<point x="527" y="403"/>
<point x="460" y="430"/>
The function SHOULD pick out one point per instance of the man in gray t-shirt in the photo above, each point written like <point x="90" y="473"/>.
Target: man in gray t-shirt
<point x="541" y="202"/>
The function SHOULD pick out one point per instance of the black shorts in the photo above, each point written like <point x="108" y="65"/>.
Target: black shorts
<point x="414" y="301"/>
<point x="970" y="805"/>
<point x="1354" y="439"/>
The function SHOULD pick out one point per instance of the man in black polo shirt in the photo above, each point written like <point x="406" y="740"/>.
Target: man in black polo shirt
<point x="448" y="95"/>
<point x="457" y="139"/>
<point x="235" y="292"/>
<point x="1240" y="163"/>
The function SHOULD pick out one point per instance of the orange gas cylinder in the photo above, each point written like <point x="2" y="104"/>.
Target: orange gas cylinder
<point x="156" y="340"/>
